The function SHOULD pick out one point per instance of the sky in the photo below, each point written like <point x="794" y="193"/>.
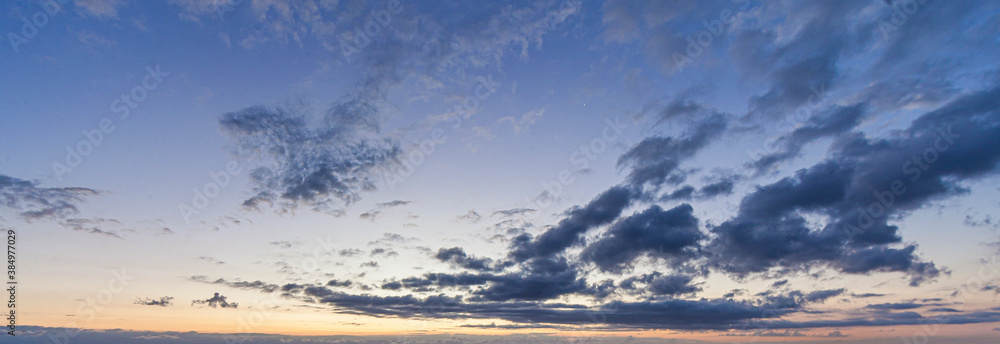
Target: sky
<point x="561" y="171"/>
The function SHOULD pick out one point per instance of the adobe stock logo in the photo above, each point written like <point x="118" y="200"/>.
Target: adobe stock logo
<point x="123" y="105"/>
<point x="352" y="42"/>
<point x="211" y="190"/>
<point x="38" y="20"/>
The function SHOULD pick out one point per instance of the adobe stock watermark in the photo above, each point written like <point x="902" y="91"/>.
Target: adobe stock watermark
<point x="582" y="158"/>
<point x="930" y="327"/>
<point x="353" y="42"/>
<point x="901" y="12"/>
<point x="787" y="124"/>
<point x="462" y="109"/>
<point x="468" y="105"/>
<point x="700" y="41"/>
<point x="93" y="305"/>
<point x="262" y="311"/>
<point x="202" y="196"/>
<point x="38" y="20"/>
<point x="915" y="168"/>
<point x="123" y="106"/>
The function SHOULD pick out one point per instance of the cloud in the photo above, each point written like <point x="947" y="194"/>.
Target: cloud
<point x="33" y="202"/>
<point x="513" y="212"/>
<point x="284" y="243"/>
<point x="383" y="252"/>
<point x="669" y="234"/>
<point x="393" y="239"/>
<point x="894" y="306"/>
<point x="370" y="215"/>
<point x="164" y="301"/>
<point x="323" y="167"/>
<point x="656" y="160"/>
<point x="95" y="226"/>
<point x="601" y="210"/>
<point x="672" y="285"/>
<point x="799" y="68"/>
<point x="457" y="257"/>
<point x="860" y="186"/>
<point x="215" y="301"/>
<point x="673" y="314"/>
<point x="339" y="283"/>
<point x="719" y="188"/>
<point x="801" y="222"/>
<point x="832" y="123"/>
<point x="867" y="295"/>
<point x="472" y="216"/>
<point x="211" y="260"/>
<point x="374" y="214"/>
<point x="255" y="285"/>
<point x="393" y="204"/>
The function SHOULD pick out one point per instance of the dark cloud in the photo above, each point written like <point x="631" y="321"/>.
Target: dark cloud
<point x="945" y="310"/>
<point x="669" y="234"/>
<point x="802" y="67"/>
<point x="867" y="295"/>
<point x="769" y="231"/>
<point x="339" y="283"/>
<point x="383" y="252"/>
<point x="323" y="167"/>
<point x="255" y="285"/>
<point x="33" y="202"/>
<point x="685" y="192"/>
<point x="108" y="227"/>
<point x="656" y="160"/>
<point x="672" y="285"/>
<point x="457" y="257"/>
<point x="293" y="287"/>
<point x="542" y="279"/>
<point x="537" y="279"/>
<point x="601" y="210"/>
<point x="822" y="295"/>
<point x="720" y="188"/>
<point x="164" y="301"/>
<point x="862" y="184"/>
<point x="513" y="212"/>
<point x="831" y="123"/>
<point x="672" y="314"/>
<point x="393" y="239"/>
<point x="774" y="232"/>
<point x="688" y="192"/>
<point x="393" y="204"/>
<point x="370" y="215"/>
<point x="894" y="306"/>
<point x="215" y="301"/>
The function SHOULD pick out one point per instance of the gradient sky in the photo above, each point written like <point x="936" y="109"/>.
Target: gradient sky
<point x="695" y="170"/>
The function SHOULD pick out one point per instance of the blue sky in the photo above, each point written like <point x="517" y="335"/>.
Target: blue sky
<point x="692" y="170"/>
